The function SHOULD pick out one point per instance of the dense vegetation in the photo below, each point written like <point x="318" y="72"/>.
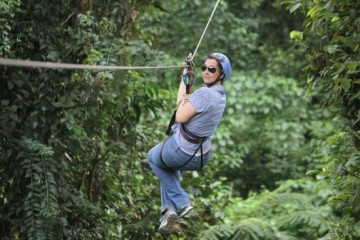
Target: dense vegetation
<point x="73" y="143"/>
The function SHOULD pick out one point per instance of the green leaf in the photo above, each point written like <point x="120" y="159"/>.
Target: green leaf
<point x="332" y="49"/>
<point x="295" y="7"/>
<point x="314" y="11"/>
<point x="296" y="35"/>
<point x="64" y="102"/>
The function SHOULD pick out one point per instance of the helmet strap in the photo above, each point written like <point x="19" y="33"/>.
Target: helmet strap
<point x="213" y="83"/>
<point x="216" y="80"/>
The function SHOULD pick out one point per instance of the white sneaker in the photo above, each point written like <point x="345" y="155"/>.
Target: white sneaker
<point x="185" y="210"/>
<point x="169" y="223"/>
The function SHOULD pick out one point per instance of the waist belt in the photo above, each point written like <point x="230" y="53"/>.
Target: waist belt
<point x="190" y="137"/>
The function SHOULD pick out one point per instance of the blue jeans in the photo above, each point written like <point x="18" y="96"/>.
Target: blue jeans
<point x="172" y="194"/>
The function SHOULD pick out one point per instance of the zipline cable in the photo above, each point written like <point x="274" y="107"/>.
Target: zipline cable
<point x="189" y="76"/>
<point x="205" y="29"/>
<point x="53" y="65"/>
<point x="39" y="64"/>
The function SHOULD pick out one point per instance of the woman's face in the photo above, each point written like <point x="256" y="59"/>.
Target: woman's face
<point x="208" y="74"/>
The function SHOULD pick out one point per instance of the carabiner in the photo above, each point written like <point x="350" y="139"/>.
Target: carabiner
<point x="188" y="78"/>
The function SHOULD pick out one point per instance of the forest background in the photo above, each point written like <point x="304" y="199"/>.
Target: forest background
<point x="73" y="143"/>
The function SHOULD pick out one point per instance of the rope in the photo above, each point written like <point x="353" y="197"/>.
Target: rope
<point x="205" y="29"/>
<point x="39" y="64"/>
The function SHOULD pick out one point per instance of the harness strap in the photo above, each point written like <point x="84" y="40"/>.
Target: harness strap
<point x="161" y="150"/>
<point x="202" y="157"/>
<point x="182" y="165"/>
<point x="189" y="136"/>
<point x="169" y="131"/>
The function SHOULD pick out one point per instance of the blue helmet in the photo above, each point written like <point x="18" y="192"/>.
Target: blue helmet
<point x="224" y="64"/>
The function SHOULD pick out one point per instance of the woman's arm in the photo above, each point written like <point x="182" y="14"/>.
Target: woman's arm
<point x="182" y="88"/>
<point x="185" y="110"/>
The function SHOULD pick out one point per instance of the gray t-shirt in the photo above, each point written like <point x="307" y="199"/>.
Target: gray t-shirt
<point x="209" y="104"/>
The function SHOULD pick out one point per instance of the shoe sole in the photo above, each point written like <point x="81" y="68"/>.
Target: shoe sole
<point x="171" y="226"/>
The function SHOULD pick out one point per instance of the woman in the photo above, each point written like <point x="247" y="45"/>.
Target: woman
<point x="189" y="146"/>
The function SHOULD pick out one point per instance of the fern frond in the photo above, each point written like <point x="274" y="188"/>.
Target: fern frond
<point x="285" y="236"/>
<point x="310" y="218"/>
<point x="291" y="198"/>
<point x="39" y="205"/>
<point x="253" y="229"/>
<point x="217" y="232"/>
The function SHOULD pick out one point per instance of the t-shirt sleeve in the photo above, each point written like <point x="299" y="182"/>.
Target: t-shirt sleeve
<point x="199" y="100"/>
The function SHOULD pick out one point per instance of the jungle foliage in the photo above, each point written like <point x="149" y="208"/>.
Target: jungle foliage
<point x="331" y="37"/>
<point x="73" y="144"/>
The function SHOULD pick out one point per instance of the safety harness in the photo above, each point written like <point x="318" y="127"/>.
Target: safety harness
<point x="191" y="138"/>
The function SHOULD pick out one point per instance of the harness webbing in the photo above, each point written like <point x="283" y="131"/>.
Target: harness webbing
<point x="187" y="161"/>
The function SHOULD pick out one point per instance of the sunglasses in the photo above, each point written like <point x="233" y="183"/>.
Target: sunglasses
<point x="210" y="69"/>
